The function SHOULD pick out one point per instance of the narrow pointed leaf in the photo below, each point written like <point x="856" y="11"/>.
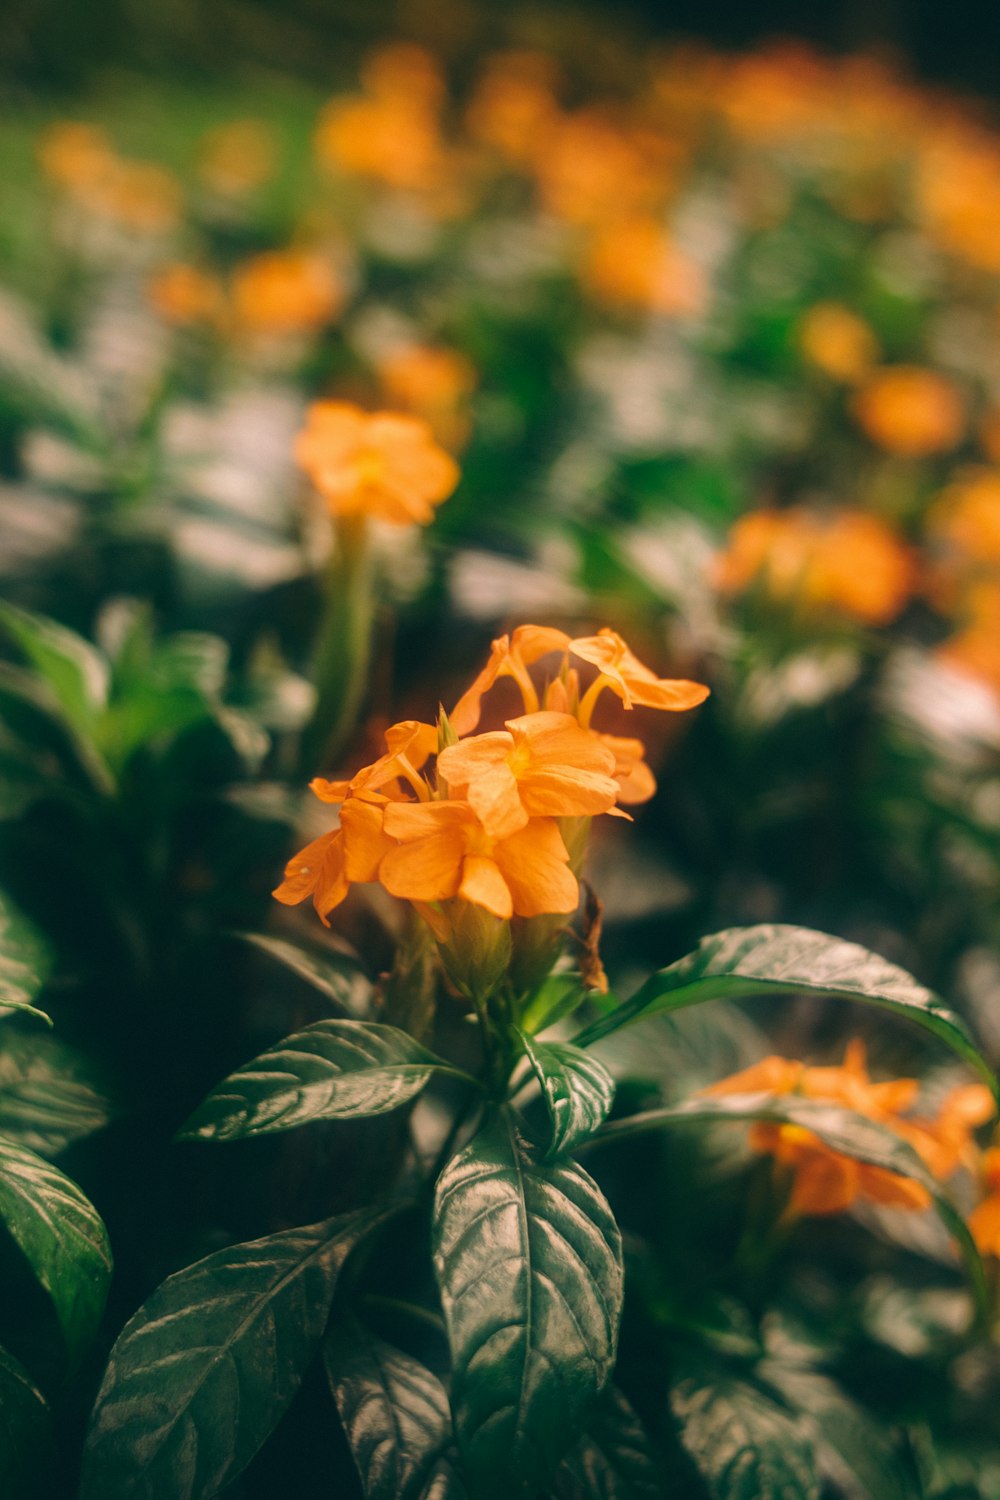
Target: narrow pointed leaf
<point x="841" y="1129"/>
<point x="205" y="1369"/>
<point x="338" y="976"/>
<point x="554" y="998"/>
<point x="613" y="1460"/>
<point x="394" y="1411"/>
<point x="25" y="1433"/>
<point x="774" y="959"/>
<point x="528" y="1262"/>
<point x="578" y="1090"/>
<point x="744" y="1444"/>
<point x="75" y="671"/>
<point x="61" y="1236"/>
<point x="25" y="960"/>
<point x="333" y="1070"/>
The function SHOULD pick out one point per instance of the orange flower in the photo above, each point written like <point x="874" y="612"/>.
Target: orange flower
<point x="237" y="157"/>
<point x="350" y="854"/>
<point x="74" y="154"/>
<point x="444" y="851"/>
<point x="945" y="1142"/>
<point x="589" y="167"/>
<point x="633" y="264"/>
<point x="627" y="677"/>
<point x="184" y="295"/>
<point x="378" y="464"/>
<point x="965" y="518"/>
<point x="510" y="656"/>
<point x="286" y="291"/>
<point x="837" y="342"/>
<point x="910" y="411"/>
<point x="513" y="104"/>
<point x="825" y="1181"/>
<point x="544" y="766"/>
<point x="409" y="745"/>
<point x="432" y="383"/>
<point x="984" y="1220"/>
<point x="847" y="561"/>
<point x="975" y="650"/>
<point x="636" y="782"/>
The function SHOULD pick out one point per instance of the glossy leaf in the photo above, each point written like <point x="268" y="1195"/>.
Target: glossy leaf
<point x="851" y="1448"/>
<point x="204" y="1370"/>
<point x="528" y="1262"/>
<point x="75" y="671"/>
<point x="61" y="1236"/>
<point x="774" y="959"/>
<point x="743" y="1443"/>
<point x="25" y="960"/>
<point x="48" y="1097"/>
<point x="394" y="1411"/>
<point x="333" y="1070"/>
<point x="613" y="1460"/>
<point x="338" y="976"/>
<point x="578" y="1090"/>
<point x="25" y="1432"/>
<point x="841" y="1129"/>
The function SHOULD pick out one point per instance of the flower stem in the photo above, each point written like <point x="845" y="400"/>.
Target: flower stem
<point x="343" y="647"/>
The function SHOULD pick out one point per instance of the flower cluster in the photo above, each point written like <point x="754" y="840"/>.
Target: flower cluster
<point x="488" y="825"/>
<point x="824" y="1181"/>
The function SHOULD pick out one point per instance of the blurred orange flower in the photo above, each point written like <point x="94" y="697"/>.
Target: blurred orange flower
<point x="984" y="1220"/>
<point x="634" y="264"/>
<point x="384" y="465"/>
<point x="845" y="561"/>
<point x="837" y="342"/>
<point x="910" y="411"/>
<point x="285" y="291"/>
<point x="434" y="383"/>
<point x="185" y="295"/>
<point x="238" y="156"/>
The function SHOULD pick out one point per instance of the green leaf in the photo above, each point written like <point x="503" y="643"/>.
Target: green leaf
<point x="743" y="1443"/>
<point x="528" y="1262"/>
<point x="62" y="1238"/>
<point x="204" y="1370"/>
<point x="75" y="671"/>
<point x="25" y="960"/>
<point x="65" y="758"/>
<point x="333" y="1070"/>
<point x="48" y="1095"/>
<point x="851" y="1448"/>
<point x="613" y="1460"/>
<point x="555" y="997"/>
<point x="338" y="976"/>
<point x="394" y="1411"/>
<point x="578" y="1090"/>
<point x="25" y="1433"/>
<point x="444" y="1483"/>
<point x="841" y="1129"/>
<point x="774" y="959"/>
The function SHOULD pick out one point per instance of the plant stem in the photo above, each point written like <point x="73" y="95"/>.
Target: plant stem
<point x="343" y="647"/>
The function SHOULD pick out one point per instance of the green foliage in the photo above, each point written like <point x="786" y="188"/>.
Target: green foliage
<point x="778" y="960"/>
<point x="335" y="1070"/>
<point x="528" y="1262"/>
<point x="217" y="1354"/>
<point x="578" y="1091"/>
<point x="25" y="960"/>
<point x="62" y="1238"/>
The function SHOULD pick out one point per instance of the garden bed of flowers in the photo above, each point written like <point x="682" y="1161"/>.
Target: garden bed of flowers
<point x="500" y="781"/>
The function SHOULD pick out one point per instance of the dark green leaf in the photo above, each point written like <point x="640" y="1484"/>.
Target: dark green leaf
<point x="578" y="1090"/>
<point x="338" y="976"/>
<point x="395" y="1412"/>
<point x="333" y="1070"/>
<point x="613" y="1460"/>
<point x="25" y="960"/>
<point x="62" y="1238"/>
<point x="851" y="1448"/>
<point x="743" y="1443"/>
<point x="48" y="1096"/>
<point x="774" y="959"/>
<point x="841" y="1129"/>
<point x="25" y="1433"/>
<point x="444" y="1483"/>
<point x="36" y="726"/>
<point x="75" y="671"/>
<point x="528" y="1261"/>
<point x="204" y="1370"/>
